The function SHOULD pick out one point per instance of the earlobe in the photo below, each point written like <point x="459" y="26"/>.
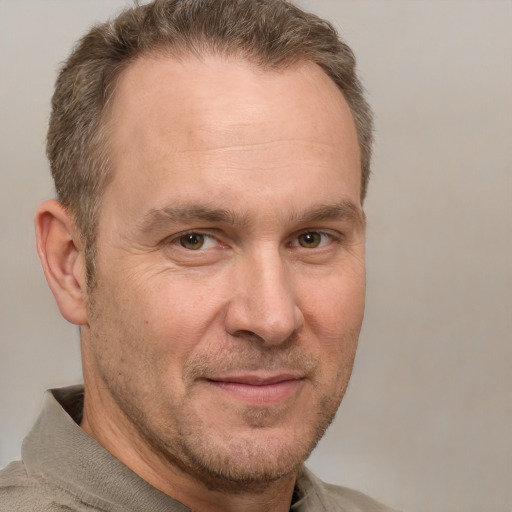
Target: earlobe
<point x="58" y="246"/>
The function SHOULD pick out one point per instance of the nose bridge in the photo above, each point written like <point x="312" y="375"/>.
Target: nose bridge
<point x="264" y="302"/>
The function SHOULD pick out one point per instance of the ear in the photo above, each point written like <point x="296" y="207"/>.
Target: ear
<point x="62" y="258"/>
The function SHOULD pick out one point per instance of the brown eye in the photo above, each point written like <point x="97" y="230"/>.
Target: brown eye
<point x="310" y="240"/>
<point x="192" y="241"/>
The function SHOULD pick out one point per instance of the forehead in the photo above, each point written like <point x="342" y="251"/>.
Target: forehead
<point x="172" y="116"/>
<point x="188" y="97"/>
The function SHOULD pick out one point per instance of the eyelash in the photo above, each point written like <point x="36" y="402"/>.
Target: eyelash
<point x="175" y="240"/>
<point x="332" y="238"/>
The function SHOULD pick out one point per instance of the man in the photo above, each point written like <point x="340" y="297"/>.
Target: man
<point x="210" y="159"/>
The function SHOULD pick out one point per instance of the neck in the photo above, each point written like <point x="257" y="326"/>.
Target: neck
<point x="109" y="426"/>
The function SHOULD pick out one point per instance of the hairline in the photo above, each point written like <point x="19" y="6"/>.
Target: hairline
<point x="200" y="49"/>
<point x="104" y="123"/>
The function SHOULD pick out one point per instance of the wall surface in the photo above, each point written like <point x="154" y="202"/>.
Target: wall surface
<point x="426" y="423"/>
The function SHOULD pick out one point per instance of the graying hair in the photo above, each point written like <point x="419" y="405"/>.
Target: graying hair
<point x="272" y="34"/>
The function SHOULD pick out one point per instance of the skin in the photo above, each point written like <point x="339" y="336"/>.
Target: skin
<point x="220" y="338"/>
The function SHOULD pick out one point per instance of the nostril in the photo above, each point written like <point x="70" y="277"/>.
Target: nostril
<point x="257" y="327"/>
<point x="248" y="335"/>
<point x="263" y="306"/>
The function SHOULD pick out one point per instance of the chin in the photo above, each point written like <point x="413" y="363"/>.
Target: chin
<point x="250" y="460"/>
<point x="247" y="465"/>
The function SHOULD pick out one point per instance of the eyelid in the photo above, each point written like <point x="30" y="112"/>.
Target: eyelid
<point x="334" y="236"/>
<point x="175" y="239"/>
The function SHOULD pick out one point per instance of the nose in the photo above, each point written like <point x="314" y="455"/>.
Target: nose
<point x="263" y="302"/>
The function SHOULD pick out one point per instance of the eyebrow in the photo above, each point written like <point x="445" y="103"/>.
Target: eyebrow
<point x="339" y="211"/>
<point x="156" y="219"/>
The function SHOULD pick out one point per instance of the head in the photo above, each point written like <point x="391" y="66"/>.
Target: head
<point x="223" y="160"/>
<point x="271" y="34"/>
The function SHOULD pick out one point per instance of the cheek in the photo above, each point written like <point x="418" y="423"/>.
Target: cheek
<point x="334" y="314"/>
<point x="334" y="306"/>
<point x="173" y="314"/>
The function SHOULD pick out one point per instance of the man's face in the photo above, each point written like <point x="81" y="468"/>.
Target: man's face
<point x="230" y="264"/>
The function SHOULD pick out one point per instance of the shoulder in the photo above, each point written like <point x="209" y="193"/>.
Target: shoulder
<point x="20" y="492"/>
<point x="354" y="501"/>
<point x="336" y="498"/>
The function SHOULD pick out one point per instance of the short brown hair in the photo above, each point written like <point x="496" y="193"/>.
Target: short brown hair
<point x="272" y="34"/>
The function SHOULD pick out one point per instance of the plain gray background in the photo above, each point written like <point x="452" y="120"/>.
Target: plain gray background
<point x="426" y="424"/>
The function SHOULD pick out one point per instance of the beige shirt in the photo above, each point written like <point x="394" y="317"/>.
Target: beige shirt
<point x="64" y="469"/>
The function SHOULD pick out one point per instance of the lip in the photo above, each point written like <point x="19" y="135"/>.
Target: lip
<point x="258" y="390"/>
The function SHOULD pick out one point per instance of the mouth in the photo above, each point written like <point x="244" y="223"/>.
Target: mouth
<point x="257" y="389"/>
